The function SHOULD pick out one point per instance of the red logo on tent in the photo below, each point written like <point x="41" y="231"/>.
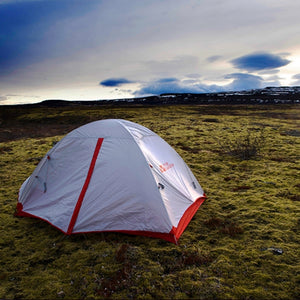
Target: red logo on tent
<point x="165" y="167"/>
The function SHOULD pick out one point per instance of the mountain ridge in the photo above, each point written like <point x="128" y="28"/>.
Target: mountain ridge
<point x="267" y="95"/>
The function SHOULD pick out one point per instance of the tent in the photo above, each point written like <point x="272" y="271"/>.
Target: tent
<point x="112" y="175"/>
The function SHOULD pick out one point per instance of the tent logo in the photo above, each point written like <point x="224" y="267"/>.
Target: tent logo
<point x="165" y="167"/>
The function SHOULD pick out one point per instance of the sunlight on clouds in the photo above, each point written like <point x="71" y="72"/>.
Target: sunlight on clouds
<point x="92" y="92"/>
<point x="293" y="68"/>
<point x="19" y="98"/>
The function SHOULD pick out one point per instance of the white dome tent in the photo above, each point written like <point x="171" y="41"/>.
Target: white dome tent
<point x="112" y="175"/>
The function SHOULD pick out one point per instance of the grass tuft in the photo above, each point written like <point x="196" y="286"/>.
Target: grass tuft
<point x="244" y="146"/>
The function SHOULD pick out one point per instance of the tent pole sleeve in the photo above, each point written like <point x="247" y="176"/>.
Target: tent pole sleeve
<point x="85" y="186"/>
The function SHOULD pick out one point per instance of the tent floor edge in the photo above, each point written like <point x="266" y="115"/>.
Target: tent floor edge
<point x="173" y="236"/>
<point x="187" y="216"/>
<point x="20" y="213"/>
<point x="169" y="237"/>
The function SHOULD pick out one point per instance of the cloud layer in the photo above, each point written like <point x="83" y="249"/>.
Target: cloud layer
<point x="259" y="61"/>
<point x="30" y="31"/>
<point x="78" y="49"/>
<point x="194" y="84"/>
<point x="239" y="81"/>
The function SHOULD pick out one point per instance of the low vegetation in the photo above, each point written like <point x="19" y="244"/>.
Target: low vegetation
<point x="245" y="146"/>
<point x="243" y="243"/>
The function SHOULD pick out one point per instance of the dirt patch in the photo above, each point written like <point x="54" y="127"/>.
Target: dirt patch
<point x="33" y="131"/>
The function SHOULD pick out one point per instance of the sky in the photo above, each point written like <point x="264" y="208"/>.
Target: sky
<point x="114" y="49"/>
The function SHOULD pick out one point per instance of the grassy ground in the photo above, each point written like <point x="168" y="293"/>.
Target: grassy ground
<point x="243" y="243"/>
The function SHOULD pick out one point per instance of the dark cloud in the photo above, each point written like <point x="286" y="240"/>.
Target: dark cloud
<point x="111" y="82"/>
<point x="259" y="61"/>
<point x="25" y="30"/>
<point x="3" y="98"/>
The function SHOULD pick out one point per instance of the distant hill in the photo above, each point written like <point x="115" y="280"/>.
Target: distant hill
<point x="268" y="95"/>
<point x="259" y="96"/>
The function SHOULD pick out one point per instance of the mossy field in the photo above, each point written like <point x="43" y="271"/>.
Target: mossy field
<point x="243" y="243"/>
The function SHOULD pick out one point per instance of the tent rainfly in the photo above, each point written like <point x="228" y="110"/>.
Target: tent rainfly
<point x="112" y="175"/>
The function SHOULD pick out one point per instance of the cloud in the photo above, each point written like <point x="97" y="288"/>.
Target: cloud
<point x="268" y="72"/>
<point x="111" y="82"/>
<point x="174" y="85"/>
<point x="240" y="81"/>
<point x="16" y="1"/>
<point x="20" y="98"/>
<point x="161" y="86"/>
<point x="29" y="33"/>
<point x="296" y="79"/>
<point x="194" y="75"/>
<point x="259" y="61"/>
<point x="22" y="95"/>
<point x="213" y="58"/>
<point x="58" y="48"/>
<point x="168" y="80"/>
<point x="182" y="63"/>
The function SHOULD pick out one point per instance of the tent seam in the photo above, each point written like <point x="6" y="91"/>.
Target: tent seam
<point x="119" y="121"/>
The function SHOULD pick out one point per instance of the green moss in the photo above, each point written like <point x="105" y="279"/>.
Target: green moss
<point x="225" y="252"/>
